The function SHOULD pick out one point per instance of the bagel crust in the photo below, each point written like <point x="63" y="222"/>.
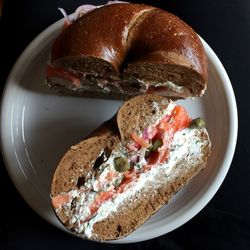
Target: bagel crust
<point x="124" y="49"/>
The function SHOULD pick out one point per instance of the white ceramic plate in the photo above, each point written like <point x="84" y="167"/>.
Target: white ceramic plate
<point x="37" y="127"/>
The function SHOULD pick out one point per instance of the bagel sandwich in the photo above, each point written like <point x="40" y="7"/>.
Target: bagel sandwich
<point x="110" y="183"/>
<point x="121" y="50"/>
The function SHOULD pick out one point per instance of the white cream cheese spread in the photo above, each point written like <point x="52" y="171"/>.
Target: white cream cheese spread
<point x="186" y="143"/>
<point x="171" y="85"/>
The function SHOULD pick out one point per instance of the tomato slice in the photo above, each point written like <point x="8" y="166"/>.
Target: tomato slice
<point x="165" y="126"/>
<point x="63" y="73"/>
<point x="181" y="119"/>
<point x="140" y="141"/>
<point x="170" y="124"/>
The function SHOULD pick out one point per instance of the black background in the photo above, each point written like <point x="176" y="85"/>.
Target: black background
<point x="225" y="222"/>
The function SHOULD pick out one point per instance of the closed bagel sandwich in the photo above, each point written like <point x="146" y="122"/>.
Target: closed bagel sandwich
<point x="122" y="50"/>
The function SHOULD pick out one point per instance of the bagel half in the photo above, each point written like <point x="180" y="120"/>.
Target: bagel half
<point x="109" y="184"/>
<point x="123" y="50"/>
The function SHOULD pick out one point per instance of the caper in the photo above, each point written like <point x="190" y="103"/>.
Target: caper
<point x="149" y="151"/>
<point x="157" y="144"/>
<point x="197" y="123"/>
<point x="121" y="164"/>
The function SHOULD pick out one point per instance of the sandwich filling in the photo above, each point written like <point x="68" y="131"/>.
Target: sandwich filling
<point x="123" y="169"/>
<point x="111" y="84"/>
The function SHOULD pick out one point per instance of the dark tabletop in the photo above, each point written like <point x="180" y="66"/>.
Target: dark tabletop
<point x="225" y="222"/>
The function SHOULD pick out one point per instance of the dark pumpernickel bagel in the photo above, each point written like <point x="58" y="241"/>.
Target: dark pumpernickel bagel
<point x="110" y="183"/>
<point x="122" y="50"/>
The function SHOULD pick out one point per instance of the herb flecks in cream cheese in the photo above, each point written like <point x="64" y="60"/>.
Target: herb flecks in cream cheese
<point x="186" y="144"/>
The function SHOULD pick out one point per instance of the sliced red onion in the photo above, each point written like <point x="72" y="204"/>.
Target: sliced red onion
<point x="145" y="134"/>
<point x="133" y="147"/>
<point x="65" y="15"/>
<point x="112" y="2"/>
<point x="149" y="133"/>
<point x="142" y="154"/>
<point x="83" y="10"/>
<point x="133" y="158"/>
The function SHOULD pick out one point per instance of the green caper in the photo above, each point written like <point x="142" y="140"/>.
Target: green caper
<point x="157" y="144"/>
<point x="149" y="151"/>
<point x="197" y="123"/>
<point x="121" y="164"/>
